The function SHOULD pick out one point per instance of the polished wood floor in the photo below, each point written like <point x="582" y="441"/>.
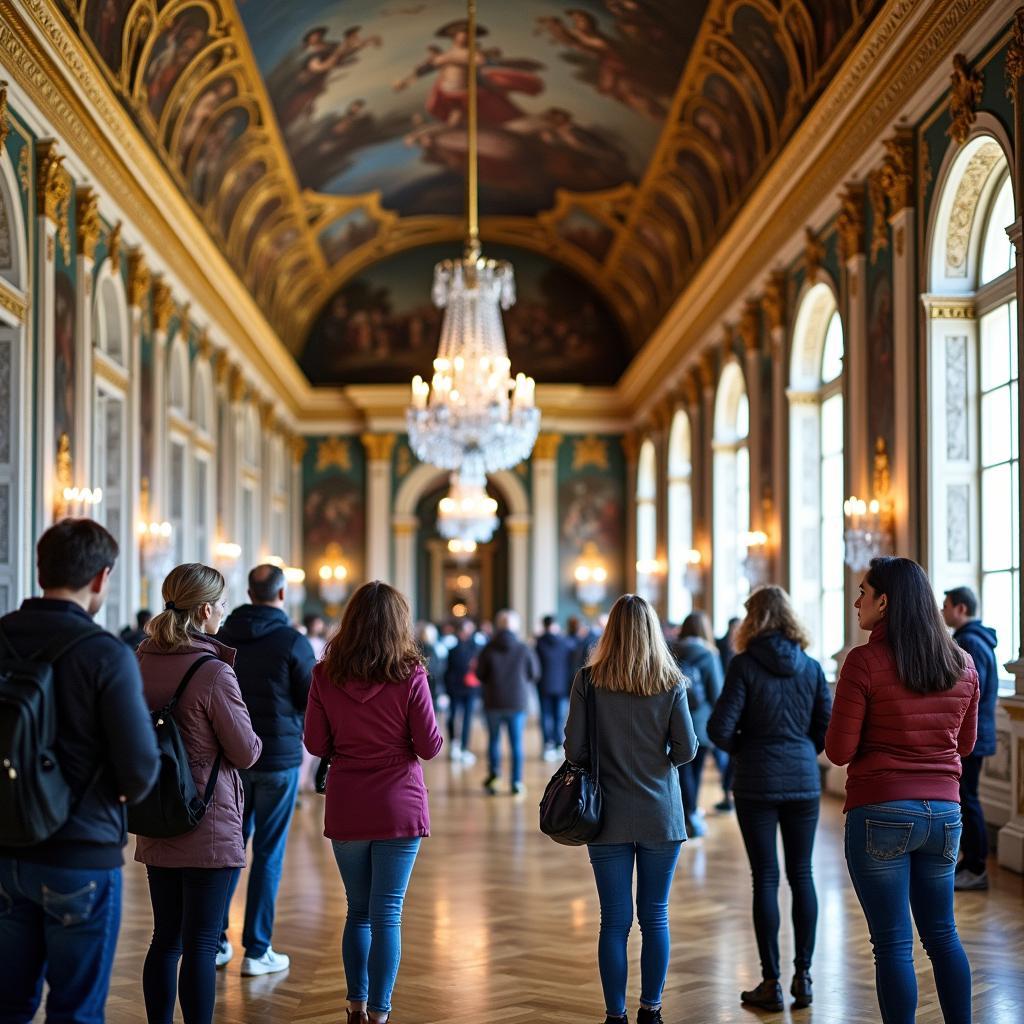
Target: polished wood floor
<point x="501" y="926"/>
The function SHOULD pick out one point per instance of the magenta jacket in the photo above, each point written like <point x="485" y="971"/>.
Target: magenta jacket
<point x="374" y="734"/>
<point x="211" y="717"/>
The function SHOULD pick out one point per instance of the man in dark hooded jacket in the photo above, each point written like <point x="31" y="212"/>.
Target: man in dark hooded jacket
<point x="960" y="612"/>
<point x="274" y="665"/>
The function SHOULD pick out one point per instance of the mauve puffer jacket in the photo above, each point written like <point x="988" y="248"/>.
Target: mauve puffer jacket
<point x="211" y="717"/>
<point x="900" y="745"/>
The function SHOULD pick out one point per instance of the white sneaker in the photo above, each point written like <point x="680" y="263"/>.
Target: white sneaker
<point x="468" y="757"/>
<point x="225" y="951"/>
<point x="269" y="963"/>
<point x="552" y="754"/>
<point x="455" y="752"/>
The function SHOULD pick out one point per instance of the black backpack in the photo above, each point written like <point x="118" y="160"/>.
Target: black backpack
<point x="173" y="806"/>
<point x="35" y="799"/>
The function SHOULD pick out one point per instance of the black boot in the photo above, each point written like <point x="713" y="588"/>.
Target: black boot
<point x="800" y="990"/>
<point x="645" y="1016"/>
<point x="767" y="996"/>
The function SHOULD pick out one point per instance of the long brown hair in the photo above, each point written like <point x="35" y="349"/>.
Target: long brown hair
<point x="632" y="655"/>
<point x="187" y="588"/>
<point x="374" y="642"/>
<point x="769" y="611"/>
<point x="698" y="625"/>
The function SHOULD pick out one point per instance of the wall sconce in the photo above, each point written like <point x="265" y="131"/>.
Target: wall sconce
<point x="293" y="576"/>
<point x="227" y="553"/>
<point x="591" y="576"/>
<point x="756" y="561"/>
<point x="869" y="523"/>
<point x="333" y="574"/>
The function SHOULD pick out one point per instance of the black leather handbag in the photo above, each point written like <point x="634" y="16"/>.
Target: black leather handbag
<point x="570" y="810"/>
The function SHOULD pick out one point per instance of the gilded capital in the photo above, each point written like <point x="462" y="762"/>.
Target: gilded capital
<point x="87" y="221"/>
<point x="53" y="190"/>
<point x="850" y="222"/>
<point x="879" y="221"/>
<point x="708" y="368"/>
<point x="138" y="278"/>
<point x="773" y="301"/>
<point x="204" y="347"/>
<point x="546" y="446"/>
<point x="236" y="383"/>
<point x="964" y="97"/>
<point x="163" y="303"/>
<point x="266" y="409"/>
<point x="1014" y="67"/>
<point x="898" y="170"/>
<point x="114" y="247"/>
<point x="379" y="446"/>
<point x="631" y="446"/>
<point x="691" y="388"/>
<point x="220" y="367"/>
<point x="814" y="254"/>
<point x="750" y="325"/>
<point x="298" y="446"/>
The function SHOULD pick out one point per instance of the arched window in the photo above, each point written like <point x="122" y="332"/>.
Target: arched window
<point x="817" y="571"/>
<point x="179" y="478"/>
<point x="680" y="516"/>
<point x="731" y="495"/>
<point x="973" y="458"/>
<point x="203" y="453"/>
<point x="646" y="520"/>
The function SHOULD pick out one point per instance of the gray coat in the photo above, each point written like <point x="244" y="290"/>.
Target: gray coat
<point x="641" y="740"/>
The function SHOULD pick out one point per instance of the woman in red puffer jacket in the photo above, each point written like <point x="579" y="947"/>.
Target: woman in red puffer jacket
<point x="905" y="713"/>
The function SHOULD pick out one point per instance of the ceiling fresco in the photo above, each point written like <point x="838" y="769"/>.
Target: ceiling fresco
<point x="319" y="140"/>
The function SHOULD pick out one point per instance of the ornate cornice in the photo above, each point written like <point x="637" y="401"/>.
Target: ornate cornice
<point x="87" y="221"/>
<point x="379" y="446"/>
<point x="964" y="97"/>
<point x="945" y="308"/>
<point x="897" y="174"/>
<point x="850" y="222"/>
<point x="138" y="278"/>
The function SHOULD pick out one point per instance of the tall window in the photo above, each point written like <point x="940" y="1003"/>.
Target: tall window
<point x="731" y="495"/>
<point x="817" y="569"/>
<point x="203" y="499"/>
<point x="680" y="516"/>
<point x="974" y="462"/>
<point x="646" y="519"/>
<point x="180" y="511"/>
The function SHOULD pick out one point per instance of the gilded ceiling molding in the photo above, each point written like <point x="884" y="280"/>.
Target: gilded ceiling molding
<point x="879" y="219"/>
<point x="850" y="222"/>
<point x="87" y="221"/>
<point x="898" y="170"/>
<point x="53" y="190"/>
<point x="964" y="97"/>
<point x="814" y="254"/>
<point x="1015" y="55"/>
<point x="139" y="278"/>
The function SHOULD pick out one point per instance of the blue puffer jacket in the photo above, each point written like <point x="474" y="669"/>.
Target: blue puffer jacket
<point x="772" y="716"/>
<point x="274" y="665"/>
<point x="980" y="643"/>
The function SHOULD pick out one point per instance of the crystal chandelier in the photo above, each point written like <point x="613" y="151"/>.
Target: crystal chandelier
<point x="473" y="410"/>
<point x="467" y="512"/>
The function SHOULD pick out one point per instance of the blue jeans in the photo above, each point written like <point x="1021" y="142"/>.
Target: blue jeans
<point x="60" y="924"/>
<point x="269" y="803"/>
<point x="553" y="713"/>
<point x="466" y="703"/>
<point x="514" y="721"/>
<point x="902" y="855"/>
<point x="613" y="871"/>
<point x="375" y="874"/>
<point x="188" y="904"/>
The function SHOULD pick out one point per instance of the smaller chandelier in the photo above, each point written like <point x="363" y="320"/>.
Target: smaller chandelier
<point x="467" y="512"/>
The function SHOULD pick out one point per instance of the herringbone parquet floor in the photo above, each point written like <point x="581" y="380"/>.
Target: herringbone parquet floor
<point x="501" y="926"/>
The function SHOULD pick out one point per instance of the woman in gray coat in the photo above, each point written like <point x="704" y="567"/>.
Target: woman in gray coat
<point x="644" y="733"/>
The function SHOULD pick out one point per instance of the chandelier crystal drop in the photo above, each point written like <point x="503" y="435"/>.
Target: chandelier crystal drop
<point x="467" y="512"/>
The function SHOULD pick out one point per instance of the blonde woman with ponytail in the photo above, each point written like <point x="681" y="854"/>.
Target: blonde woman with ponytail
<point x="189" y="874"/>
<point x="644" y="733"/>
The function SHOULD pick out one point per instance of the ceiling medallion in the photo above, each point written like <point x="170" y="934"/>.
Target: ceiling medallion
<point x="473" y="413"/>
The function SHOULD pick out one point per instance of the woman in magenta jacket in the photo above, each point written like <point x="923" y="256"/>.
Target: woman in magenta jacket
<point x="370" y="712"/>
<point x="905" y="713"/>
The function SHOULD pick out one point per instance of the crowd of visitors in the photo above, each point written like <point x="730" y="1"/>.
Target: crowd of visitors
<point x="209" y="721"/>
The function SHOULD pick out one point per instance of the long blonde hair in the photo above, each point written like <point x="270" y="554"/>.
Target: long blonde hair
<point x="187" y="588"/>
<point x="769" y="611"/>
<point x="632" y="656"/>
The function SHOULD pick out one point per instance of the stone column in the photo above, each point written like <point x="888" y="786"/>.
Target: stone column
<point x="163" y="307"/>
<point x="631" y="451"/>
<point x="773" y="305"/>
<point x="53" y="193"/>
<point x="708" y="377"/>
<point x="546" y="570"/>
<point x="699" y="455"/>
<point x="138" y="289"/>
<point x="750" y="334"/>
<point x="405" y="529"/>
<point x="297" y="450"/>
<point x="518" y="527"/>
<point x="378" y="504"/>
<point x="87" y="230"/>
<point x="897" y="180"/>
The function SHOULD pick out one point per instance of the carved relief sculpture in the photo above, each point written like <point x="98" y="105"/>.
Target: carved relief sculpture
<point x="138" y="278"/>
<point x="898" y="170"/>
<point x="53" y="190"/>
<point x="1015" y="55"/>
<point x="850" y="222"/>
<point x="964" y="97"/>
<point x="87" y="221"/>
<point x="163" y="304"/>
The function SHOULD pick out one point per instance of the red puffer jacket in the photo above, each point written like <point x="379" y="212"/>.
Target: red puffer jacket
<point x="900" y="745"/>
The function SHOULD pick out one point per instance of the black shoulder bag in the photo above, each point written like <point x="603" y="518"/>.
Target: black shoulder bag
<point x="173" y="806"/>
<point x="570" y="810"/>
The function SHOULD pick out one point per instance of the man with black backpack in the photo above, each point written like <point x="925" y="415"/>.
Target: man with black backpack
<point x="76" y="746"/>
<point x="274" y="664"/>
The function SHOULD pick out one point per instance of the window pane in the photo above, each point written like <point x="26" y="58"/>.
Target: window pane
<point x="1013" y="338"/>
<point x="832" y="356"/>
<point x="997" y="517"/>
<point x="833" y="627"/>
<point x="997" y="427"/>
<point x="996" y="247"/>
<point x="998" y="610"/>
<point x="832" y="426"/>
<point x="995" y="348"/>
<point x="742" y="417"/>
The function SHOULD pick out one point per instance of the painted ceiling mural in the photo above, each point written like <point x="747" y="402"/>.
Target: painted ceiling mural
<point x="319" y="140"/>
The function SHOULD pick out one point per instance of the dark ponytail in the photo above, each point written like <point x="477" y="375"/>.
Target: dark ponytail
<point x="928" y="660"/>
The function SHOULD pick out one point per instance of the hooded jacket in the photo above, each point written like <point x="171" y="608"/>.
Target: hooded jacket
<point x="506" y="668"/>
<point x="273" y="663"/>
<point x="702" y="665"/>
<point x="374" y="735"/>
<point x="980" y="643"/>
<point x="772" y="716"/>
<point x="212" y="719"/>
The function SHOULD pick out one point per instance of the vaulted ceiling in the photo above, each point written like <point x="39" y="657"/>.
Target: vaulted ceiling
<point x="323" y="144"/>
